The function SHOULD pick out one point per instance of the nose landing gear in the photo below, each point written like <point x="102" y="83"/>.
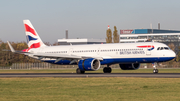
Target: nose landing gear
<point x="155" y="69"/>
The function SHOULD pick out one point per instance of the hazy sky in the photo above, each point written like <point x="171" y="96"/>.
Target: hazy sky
<point x="84" y="18"/>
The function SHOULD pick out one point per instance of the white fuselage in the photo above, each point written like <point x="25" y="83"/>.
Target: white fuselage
<point x="145" y="52"/>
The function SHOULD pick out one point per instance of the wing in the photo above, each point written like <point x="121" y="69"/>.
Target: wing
<point x="59" y="57"/>
<point x="56" y="56"/>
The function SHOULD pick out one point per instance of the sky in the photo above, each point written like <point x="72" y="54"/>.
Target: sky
<point x="84" y="18"/>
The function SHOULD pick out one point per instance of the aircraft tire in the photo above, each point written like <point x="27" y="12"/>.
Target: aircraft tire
<point x="78" y="71"/>
<point x="155" y="71"/>
<point x="107" y="70"/>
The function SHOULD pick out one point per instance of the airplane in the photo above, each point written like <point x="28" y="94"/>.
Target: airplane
<point x="90" y="57"/>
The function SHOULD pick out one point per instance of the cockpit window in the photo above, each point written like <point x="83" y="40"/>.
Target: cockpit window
<point x="166" y="48"/>
<point x="158" y="48"/>
<point x="163" y="48"/>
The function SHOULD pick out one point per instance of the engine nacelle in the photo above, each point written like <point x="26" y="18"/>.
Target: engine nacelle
<point x="132" y="66"/>
<point x="90" y="64"/>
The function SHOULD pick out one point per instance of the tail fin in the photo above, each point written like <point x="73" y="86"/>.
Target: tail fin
<point x="33" y="39"/>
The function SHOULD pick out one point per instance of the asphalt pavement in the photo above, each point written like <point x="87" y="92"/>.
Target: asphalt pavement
<point x="73" y="75"/>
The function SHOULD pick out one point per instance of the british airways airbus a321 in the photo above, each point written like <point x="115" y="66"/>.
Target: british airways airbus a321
<point x="90" y="57"/>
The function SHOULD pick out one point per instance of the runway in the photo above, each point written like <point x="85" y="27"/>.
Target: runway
<point x="73" y="75"/>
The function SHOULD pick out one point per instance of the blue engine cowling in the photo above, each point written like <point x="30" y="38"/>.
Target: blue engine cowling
<point x="90" y="64"/>
<point x="132" y="66"/>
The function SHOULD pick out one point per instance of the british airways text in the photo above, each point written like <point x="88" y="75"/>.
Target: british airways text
<point x="131" y="52"/>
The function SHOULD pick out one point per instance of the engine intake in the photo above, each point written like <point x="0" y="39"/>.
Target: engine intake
<point x="132" y="66"/>
<point x="90" y="64"/>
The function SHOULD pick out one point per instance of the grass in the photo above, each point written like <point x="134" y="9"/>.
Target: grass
<point x="114" y="70"/>
<point x="90" y="89"/>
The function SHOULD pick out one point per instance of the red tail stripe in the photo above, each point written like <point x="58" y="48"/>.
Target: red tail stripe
<point x="35" y="45"/>
<point x="29" y="29"/>
<point x="146" y="46"/>
<point x="25" y="50"/>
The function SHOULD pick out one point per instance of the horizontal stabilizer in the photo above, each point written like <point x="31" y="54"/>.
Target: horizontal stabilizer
<point x="12" y="49"/>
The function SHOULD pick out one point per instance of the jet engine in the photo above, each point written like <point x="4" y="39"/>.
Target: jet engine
<point x="90" y="64"/>
<point x="132" y="66"/>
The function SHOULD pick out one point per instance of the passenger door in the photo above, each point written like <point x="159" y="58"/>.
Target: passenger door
<point x="148" y="50"/>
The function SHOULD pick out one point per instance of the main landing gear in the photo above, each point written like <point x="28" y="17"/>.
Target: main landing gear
<point x="78" y="71"/>
<point x="155" y="69"/>
<point x="107" y="69"/>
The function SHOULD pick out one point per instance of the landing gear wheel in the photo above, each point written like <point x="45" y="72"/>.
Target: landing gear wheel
<point x="78" y="71"/>
<point x="107" y="70"/>
<point x="155" y="71"/>
<point x="104" y="69"/>
<point x="155" y="66"/>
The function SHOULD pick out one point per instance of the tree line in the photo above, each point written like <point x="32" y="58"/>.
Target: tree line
<point x="7" y="57"/>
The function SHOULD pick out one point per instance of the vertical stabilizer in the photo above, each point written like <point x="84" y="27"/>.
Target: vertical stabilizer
<point x="33" y="39"/>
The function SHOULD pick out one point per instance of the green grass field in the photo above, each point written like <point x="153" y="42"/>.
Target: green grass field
<point x="114" y="70"/>
<point x="90" y="89"/>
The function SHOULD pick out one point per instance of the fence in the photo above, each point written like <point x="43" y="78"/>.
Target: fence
<point x="36" y="66"/>
<point x="53" y="66"/>
<point x="43" y="66"/>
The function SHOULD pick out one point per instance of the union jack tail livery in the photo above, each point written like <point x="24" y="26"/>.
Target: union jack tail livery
<point x="33" y="39"/>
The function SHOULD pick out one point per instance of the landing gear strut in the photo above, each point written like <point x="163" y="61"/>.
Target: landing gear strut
<point x="78" y="71"/>
<point x="107" y="69"/>
<point x="155" y="69"/>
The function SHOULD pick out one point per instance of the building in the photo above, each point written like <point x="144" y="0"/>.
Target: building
<point x="134" y="35"/>
<point x="146" y="31"/>
<point x="163" y="36"/>
<point x="80" y="41"/>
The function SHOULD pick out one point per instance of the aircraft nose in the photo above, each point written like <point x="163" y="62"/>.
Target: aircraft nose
<point x="173" y="54"/>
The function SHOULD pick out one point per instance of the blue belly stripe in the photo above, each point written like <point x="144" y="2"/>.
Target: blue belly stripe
<point x="119" y="60"/>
